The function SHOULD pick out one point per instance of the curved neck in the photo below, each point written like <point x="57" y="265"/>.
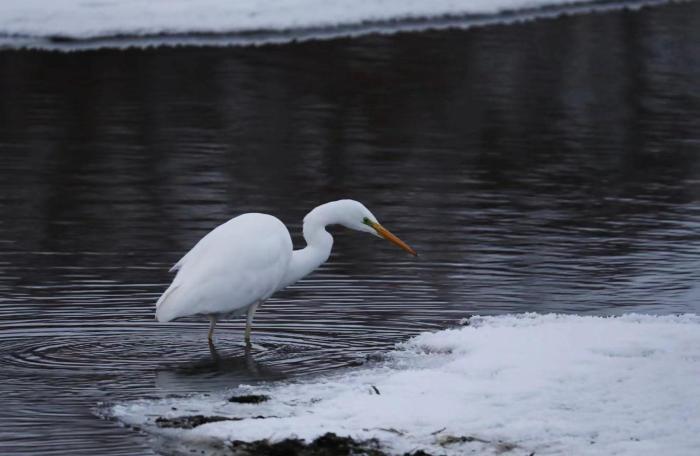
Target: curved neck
<point x="318" y="244"/>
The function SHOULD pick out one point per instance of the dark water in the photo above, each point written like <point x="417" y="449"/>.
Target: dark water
<point x="551" y="166"/>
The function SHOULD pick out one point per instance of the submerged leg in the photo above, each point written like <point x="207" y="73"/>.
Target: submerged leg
<point x="214" y="354"/>
<point x="212" y="323"/>
<point x="249" y="321"/>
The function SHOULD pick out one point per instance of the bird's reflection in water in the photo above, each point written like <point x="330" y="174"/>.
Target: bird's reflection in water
<point x="215" y="373"/>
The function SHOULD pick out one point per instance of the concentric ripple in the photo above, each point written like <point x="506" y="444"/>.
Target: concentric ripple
<point x="72" y="344"/>
<point x="285" y="331"/>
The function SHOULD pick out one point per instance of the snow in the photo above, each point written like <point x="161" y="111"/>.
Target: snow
<point x="550" y="384"/>
<point x="23" y="22"/>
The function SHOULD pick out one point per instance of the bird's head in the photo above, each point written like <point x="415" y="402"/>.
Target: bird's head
<point x="356" y="216"/>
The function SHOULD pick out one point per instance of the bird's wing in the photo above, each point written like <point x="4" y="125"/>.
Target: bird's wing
<point x="235" y="265"/>
<point x="201" y="245"/>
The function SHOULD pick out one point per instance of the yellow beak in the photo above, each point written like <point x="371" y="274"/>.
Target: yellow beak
<point x="389" y="236"/>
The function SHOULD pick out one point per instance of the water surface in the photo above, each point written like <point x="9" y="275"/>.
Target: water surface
<point x="549" y="166"/>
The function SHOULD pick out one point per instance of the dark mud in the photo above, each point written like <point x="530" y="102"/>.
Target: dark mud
<point x="190" y="422"/>
<point x="328" y="444"/>
<point x="325" y="445"/>
<point x="250" y="399"/>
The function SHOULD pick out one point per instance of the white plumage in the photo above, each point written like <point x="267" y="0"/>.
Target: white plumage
<point x="241" y="263"/>
<point x="234" y="266"/>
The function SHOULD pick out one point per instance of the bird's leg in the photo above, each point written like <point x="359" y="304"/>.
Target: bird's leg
<point x="214" y="354"/>
<point x="250" y="363"/>
<point x="249" y="321"/>
<point x="212" y="324"/>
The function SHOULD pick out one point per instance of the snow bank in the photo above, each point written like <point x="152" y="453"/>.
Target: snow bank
<point x="25" y="22"/>
<point x="551" y="384"/>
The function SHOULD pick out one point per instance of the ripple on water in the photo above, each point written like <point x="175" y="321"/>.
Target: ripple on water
<point x="69" y="345"/>
<point x="58" y="364"/>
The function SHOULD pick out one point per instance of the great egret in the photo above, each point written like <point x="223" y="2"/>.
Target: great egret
<point x="241" y="263"/>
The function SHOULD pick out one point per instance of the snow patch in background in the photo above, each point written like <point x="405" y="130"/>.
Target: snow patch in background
<point x="550" y="384"/>
<point x="120" y="23"/>
<point x="82" y="18"/>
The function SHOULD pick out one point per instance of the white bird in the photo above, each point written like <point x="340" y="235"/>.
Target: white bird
<point x="241" y="263"/>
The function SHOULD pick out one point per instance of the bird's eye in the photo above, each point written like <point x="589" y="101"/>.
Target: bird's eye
<point x="366" y="221"/>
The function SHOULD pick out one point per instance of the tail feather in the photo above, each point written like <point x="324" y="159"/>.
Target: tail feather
<point x="166" y="310"/>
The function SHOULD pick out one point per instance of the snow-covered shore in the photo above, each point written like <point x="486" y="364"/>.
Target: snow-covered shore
<point x="83" y="19"/>
<point x="79" y="24"/>
<point x="550" y="384"/>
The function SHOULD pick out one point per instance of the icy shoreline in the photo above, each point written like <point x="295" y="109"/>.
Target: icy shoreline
<point x="549" y="384"/>
<point x="79" y="25"/>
